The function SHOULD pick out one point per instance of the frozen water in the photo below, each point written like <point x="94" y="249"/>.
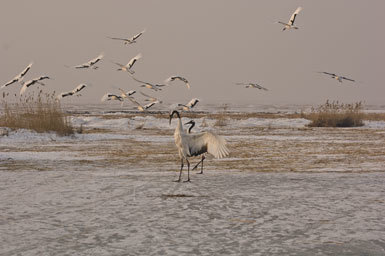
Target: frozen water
<point x="285" y="189"/>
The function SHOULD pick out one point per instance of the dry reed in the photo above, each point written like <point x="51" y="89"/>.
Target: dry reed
<point x="41" y="113"/>
<point x="335" y="114"/>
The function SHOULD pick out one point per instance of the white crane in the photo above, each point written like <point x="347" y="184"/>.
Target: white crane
<point x="155" y="87"/>
<point x="128" y="40"/>
<point x="189" y="105"/>
<point x="111" y="96"/>
<point x="91" y="63"/>
<point x="129" y="65"/>
<point x="139" y="106"/>
<point x="290" y="24"/>
<point x="126" y="94"/>
<point x="337" y="77"/>
<point x="192" y="123"/>
<point x="19" y="77"/>
<point x="32" y="82"/>
<point x="150" y="98"/>
<point x="190" y="145"/>
<point x="253" y="85"/>
<point x="173" y="78"/>
<point x="74" y="91"/>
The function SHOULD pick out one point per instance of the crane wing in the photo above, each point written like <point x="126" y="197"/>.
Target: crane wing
<point x="149" y="105"/>
<point x="138" y="35"/>
<point x="108" y="96"/>
<point x="327" y="73"/>
<point x="19" y="76"/>
<point x="131" y="92"/>
<point x="79" y="88"/>
<point x="139" y="81"/>
<point x="25" y="86"/>
<point x="95" y="60"/>
<point x="91" y="62"/>
<point x="117" y="38"/>
<point x="206" y="142"/>
<point x="192" y="103"/>
<point x="25" y="71"/>
<point x="146" y="95"/>
<point x="347" y="79"/>
<point x="183" y="80"/>
<point x="260" y="87"/>
<point x="10" y="82"/>
<point x="42" y="78"/>
<point x="283" y="23"/>
<point x="64" y="94"/>
<point x="149" y="97"/>
<point x="133" y="60"/>
<point x="294" y="15"/>
<point x="134" y="101"/>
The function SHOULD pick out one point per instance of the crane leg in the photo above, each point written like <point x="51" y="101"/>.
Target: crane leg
<point x="200" y="162"/>
<point x="203" y="158"/>
<point x="180" y="172"/>
<point x="188" y="171"/>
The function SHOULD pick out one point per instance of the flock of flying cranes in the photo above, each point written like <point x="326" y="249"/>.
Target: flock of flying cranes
<point x="129" y="68"/>
<point x="92" y="64"/>
<point x="189" y="144"/>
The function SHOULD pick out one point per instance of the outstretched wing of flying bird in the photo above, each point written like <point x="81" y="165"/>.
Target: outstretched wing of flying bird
<point x="294" y="15"/>
<point x="19" y="77"/>
<point x="133" y="60"/>
<point x="138" y="35"/>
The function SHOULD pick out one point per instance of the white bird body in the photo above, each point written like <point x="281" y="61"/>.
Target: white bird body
<point x="111" y="96"/>
<point x="190" y="145"/>
<point x="290" y="24"/>
<point x="32" y="82"/>
<point x="19" y="77"/>
<point x="337" y="77"/>
<point x="127" y="94"/>
<point x="139" y="106"/>
<point x="91" y="63"/>
<point x="155" y="87"/>
<point x="129" y="40"/>
<point x="150" y="98"/>
<point x="73" y="92"/>
<point x="173" y="78"/>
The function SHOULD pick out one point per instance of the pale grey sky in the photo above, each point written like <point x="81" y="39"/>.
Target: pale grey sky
<point x="214" y="44"/>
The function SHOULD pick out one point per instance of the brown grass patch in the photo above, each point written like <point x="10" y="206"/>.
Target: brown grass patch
<point x="374" y="116"/>
<point x="335" y="114"/>
<point x="41" y="114"/>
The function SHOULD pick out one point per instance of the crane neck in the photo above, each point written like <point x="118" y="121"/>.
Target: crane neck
<point x="180" y="126"/>
<point x="189" y="129"/>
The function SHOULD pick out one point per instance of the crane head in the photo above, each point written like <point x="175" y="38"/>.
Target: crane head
<point x="190" y="122"/>
<point x="172" y="114"/>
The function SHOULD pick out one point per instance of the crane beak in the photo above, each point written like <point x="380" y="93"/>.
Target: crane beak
<point x="189" y="122"/>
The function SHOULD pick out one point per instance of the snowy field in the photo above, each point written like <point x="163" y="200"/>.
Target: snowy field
<point x="285" y="189"/>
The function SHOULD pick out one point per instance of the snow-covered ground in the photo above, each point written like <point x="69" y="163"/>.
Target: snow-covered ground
<point x="285" y="189"/>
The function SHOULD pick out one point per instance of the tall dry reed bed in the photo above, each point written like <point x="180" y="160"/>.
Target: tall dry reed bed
<point x="41" y="113"/>
<point x="335" y="114"/>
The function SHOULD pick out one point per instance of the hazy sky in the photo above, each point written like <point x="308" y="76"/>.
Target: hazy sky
<point x="214" y="44"/>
